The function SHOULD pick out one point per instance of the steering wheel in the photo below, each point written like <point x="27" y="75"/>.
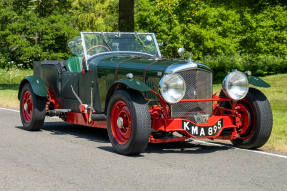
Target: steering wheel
<point x="98" y="46"/>
<point x="93" y="47"/>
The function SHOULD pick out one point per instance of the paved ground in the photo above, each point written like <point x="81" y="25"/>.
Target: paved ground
<point x="67" y="157"/>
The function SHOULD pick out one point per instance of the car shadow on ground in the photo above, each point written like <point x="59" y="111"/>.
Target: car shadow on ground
<point x="190" y="147"/>
<point x="78" y="131"/>
<point x="178" y="147"/>
<point x="100" y="135"/>
<point x="84" y="132"/>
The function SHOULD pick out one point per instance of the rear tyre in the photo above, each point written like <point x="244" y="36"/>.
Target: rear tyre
<point x="257" y="120"/>
<point x="129" y="124"/>
<point x="32" y="109"/>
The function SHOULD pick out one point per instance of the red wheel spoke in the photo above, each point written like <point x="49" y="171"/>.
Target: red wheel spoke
<point x="121" y="122"/>
<point x="247" y="119"/>
<point x="27" y="106"/>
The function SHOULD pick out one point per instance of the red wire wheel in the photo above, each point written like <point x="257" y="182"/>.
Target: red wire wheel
<point x="129" y="123"/>
<point x="27" y="106"/>
<point x="32" y="108"/>
<point x="247" y="119"/>
<point x="121" y="122"/>
<point x="256" y="120"/>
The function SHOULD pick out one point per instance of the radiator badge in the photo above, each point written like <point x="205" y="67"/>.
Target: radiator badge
<point x="203" y="118"/>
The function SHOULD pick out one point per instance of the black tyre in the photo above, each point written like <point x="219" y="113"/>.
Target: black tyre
<point x="129" y="124"/>
<point x="32" y="109"/>
<point x="257" y="120"/>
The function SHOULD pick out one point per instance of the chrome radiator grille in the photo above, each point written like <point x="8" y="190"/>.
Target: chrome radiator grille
<point x="198" y="86"/>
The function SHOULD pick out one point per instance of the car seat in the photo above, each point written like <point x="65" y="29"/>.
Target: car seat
<point x="74" y="64"/>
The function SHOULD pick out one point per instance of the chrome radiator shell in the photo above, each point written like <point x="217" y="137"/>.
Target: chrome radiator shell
<point x="198" y="86"/>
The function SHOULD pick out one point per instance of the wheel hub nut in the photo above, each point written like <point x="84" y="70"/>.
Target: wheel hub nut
<point x="120" y="122"/>
<point x="25" y="106"/>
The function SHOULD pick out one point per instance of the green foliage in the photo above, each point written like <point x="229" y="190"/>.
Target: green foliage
<point x="243" y="34"/>
<point x="224" y="34"/>
<point x="259" y="66"/>
<point x="216" y="27"/>
<point x="95" y="15"/>
<point x="13" y="75"/>
<point x="33" y="30"/>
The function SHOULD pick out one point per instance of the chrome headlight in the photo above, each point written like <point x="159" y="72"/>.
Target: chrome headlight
<point x="172" y="88"/>
<point x="235" y="85"/>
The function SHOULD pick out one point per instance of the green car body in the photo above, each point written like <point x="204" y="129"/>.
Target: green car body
<point x="107" y="72"/>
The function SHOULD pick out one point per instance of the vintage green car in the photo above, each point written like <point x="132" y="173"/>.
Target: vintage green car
<point x="120" y="81"/>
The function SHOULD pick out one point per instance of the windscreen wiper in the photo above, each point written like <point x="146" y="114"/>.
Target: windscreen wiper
<point x="104" y="39"/>
<point x="140" y="40"/>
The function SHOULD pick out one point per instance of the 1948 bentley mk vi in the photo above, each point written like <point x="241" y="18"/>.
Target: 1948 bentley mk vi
<point x="120" y="81"/>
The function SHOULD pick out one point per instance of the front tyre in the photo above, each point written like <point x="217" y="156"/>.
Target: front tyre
<point x="32" y="109"/>
<point x="257" y="120"/>
<point x="129" y="124"/>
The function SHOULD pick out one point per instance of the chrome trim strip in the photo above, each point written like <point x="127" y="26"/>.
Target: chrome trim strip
<point x="116" y="33"/>
<point x="156" y="45"/>
<point x="85" y="50"/>
<point x="182" y="67"/>
<point x="119" y="52"/>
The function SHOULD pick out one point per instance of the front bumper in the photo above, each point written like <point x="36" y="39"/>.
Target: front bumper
<point x="217" y="127"/>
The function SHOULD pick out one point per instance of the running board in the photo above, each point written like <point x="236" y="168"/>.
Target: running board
<point x="99" y="117"/>
<point x="63" y="110"/>
<point x="57" y="112"/>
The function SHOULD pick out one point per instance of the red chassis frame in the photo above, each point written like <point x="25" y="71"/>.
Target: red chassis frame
<point x="161" y="120"/>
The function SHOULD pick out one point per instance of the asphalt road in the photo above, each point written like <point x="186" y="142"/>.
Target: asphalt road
<point x="68" y="157"/>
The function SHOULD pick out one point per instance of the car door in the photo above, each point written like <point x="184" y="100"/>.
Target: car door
<point x="68" y="99"/>
<point x="88" y="86"/>
<point x="69" y="80"/>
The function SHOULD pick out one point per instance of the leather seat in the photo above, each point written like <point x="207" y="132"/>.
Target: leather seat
<point x="74" y="64"/>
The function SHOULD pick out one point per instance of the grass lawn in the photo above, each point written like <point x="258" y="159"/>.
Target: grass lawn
<point x="277" y="95"/>
<point x="9" y="83"/>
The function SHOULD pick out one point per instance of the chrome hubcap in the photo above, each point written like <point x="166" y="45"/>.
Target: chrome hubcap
<point x="25" y="106"/>
<point x="120" y="122"/>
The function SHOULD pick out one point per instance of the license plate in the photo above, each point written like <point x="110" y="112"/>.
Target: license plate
<point x="202" y="131"/>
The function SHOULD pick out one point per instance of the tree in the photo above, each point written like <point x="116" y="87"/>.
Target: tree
<point x="126" y="15"/>
<point x="28" y="35"/>
<point x="95" y="15"/>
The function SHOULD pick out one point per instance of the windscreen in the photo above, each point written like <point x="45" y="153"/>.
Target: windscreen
<point x="96" y="43"/>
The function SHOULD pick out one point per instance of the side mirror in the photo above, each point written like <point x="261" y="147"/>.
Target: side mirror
<point x="180" y="52"/>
